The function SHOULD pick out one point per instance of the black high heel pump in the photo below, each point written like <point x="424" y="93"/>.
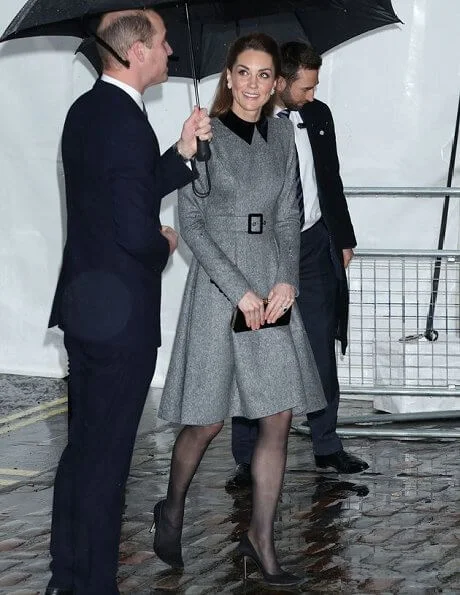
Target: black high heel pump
<point x="281" y="579"/>
<point x="167" y="541"/>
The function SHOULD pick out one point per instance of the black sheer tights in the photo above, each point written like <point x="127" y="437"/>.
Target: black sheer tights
<point x="189" y="448"/>
<point x="268" y="465"/>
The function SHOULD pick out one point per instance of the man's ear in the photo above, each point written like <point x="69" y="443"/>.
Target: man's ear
<point x="138" y="50"/>
<point x="281" y="84"/>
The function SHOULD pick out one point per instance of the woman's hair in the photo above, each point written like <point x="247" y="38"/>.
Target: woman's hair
<point x="121" y="30"/>
<point x="223" y="98"/>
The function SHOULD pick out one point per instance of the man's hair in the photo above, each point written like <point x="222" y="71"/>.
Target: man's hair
<point x="296" y="55"/>
<point x="120" y="30"/>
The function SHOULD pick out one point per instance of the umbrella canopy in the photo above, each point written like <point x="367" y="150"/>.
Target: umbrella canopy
<point x="324" y="24"/>
<point x="343" y="19"/>
<point x="214" y="24"/>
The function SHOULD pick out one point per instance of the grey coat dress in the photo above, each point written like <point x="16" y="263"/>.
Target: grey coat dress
<point x="215" y="373"/>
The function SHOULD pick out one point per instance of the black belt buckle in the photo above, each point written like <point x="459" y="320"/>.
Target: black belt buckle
<point x="255" y="223"/>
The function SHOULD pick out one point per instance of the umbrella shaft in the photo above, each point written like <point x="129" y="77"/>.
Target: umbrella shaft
<point x="442" y="230"/>
<point x="192" y="56"/>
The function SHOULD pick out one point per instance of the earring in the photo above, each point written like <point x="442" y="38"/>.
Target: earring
<point x="272" y="92"/>
<point x="229" y="86"/>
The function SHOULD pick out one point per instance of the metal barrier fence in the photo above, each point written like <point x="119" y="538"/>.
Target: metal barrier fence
<point x="390" y="294"/>
<point x="390" y="353"/>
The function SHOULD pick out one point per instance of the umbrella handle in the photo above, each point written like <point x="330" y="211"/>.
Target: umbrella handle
<point x="203" y="152"/>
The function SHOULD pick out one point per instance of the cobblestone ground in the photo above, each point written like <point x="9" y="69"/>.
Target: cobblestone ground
<point x="392" y="529"/>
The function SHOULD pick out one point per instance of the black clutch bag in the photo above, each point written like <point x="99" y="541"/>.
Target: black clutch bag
<point x="238" y="322"/>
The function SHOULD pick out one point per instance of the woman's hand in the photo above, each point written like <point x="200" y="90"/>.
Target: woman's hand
<point x="280" y="299"/>
<point x="252" y="307"/>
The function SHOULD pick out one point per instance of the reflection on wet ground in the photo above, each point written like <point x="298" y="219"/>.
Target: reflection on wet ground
<point x="392" y="529"/>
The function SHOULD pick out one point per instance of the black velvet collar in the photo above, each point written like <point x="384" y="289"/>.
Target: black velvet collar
<point x="245" y="130"/>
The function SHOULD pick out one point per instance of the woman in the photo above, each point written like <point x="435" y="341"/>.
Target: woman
<point x="245" y="241"/>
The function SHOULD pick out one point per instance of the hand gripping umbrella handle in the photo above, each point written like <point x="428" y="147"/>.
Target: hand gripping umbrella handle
<point x="203" y="152"/>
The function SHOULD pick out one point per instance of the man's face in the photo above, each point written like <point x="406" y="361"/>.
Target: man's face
<point x="296" y="94"/>
<point x="156" y="57"/>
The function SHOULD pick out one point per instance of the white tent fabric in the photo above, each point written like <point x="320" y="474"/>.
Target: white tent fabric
<point x="393" y="94"/>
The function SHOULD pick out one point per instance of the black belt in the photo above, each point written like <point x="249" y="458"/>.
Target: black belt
<point x="254" y="223"/>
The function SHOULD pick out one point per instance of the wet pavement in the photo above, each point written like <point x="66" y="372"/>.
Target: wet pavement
<point x="392" y="529"/>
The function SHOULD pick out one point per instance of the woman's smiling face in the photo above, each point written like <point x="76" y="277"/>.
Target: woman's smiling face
<point x="252" y="82"/>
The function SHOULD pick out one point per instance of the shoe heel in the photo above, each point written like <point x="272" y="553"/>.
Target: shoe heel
<point x="152" y="527"/>
<point x="280" y="579"/>
<point x="245" y="568"/>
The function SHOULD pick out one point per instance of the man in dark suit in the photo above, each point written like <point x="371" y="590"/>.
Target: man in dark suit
<point x="108" y="296"/>
<point x="327" y="242"/>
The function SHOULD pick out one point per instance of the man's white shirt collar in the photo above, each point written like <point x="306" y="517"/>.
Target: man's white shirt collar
<point x="294" y="115"/>
<point x="132" y="92"/>
<point x="277" y="110"/>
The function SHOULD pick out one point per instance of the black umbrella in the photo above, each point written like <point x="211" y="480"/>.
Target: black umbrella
<point x="212" y="24"/>
<point x="201" y="36"/>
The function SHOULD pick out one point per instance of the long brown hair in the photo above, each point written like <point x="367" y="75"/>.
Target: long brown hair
<point x="223" y="98"/>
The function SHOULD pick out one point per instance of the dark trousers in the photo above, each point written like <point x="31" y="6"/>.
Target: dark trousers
<point x="320" y="272"/>
<point x="107" y="391"/>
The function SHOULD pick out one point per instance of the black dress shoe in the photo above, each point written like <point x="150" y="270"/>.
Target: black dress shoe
<point x="340" y="462"/>
<point x="241" y="479"/>
<point x="56" y="591"/>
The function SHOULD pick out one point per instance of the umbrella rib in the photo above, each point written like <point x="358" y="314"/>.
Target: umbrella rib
<point x="22" y="14"/>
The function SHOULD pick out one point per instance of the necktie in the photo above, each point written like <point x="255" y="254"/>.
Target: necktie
<point x="145" y="111"/>
<point x="284" y="113"/>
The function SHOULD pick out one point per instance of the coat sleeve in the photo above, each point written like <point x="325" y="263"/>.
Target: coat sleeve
<point x="287" y="217"/>
<point x="226" y="275"/>
<point x="138" y="180"/>
<point x="172" y="172"/>
<point x="344" y="235"/>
